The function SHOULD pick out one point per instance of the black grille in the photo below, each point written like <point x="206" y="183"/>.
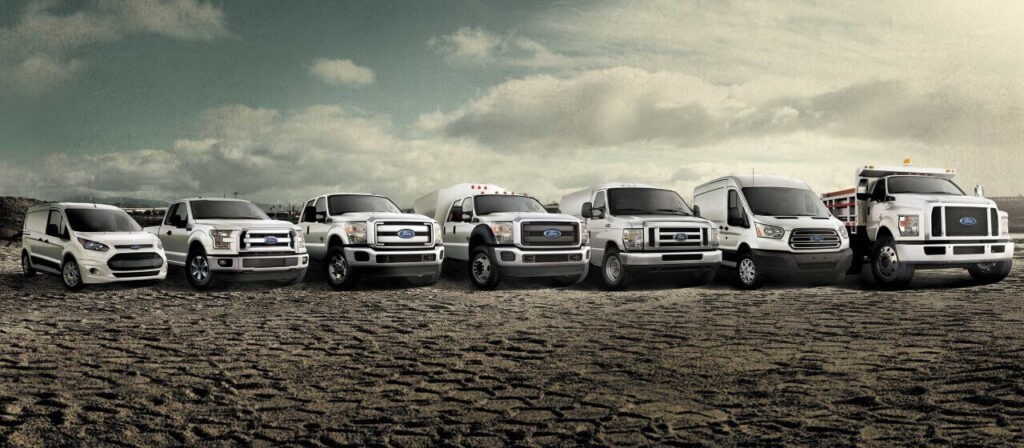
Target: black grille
<point x="994" y="216"/>
<point x="968" y="250"/>
<point x="133" y="246"/>
<point x="546" y="258"/>
<point x="534" y="233"/>
<point x="269" y="262"/>
<point x="966" y="221"/>
<point x="937" y="221"/>
<point x="682" y="257"/>
<point x="404" y="258"/>
<point x="135" y="274"/>
<point x="811" y="239"/>
<point x="135" y="262"/>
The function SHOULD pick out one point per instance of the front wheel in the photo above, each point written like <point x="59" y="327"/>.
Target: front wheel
<point x="889" y="272"/>
<point x="72" y="275"/>
<point x="26" y="266"/>
<point x="748" y="273"/>
<point x="613" y="271"/>
<point x="339" y="274"/>
<point x="198" y="272"/>
<point x="483" y="269"/>
<point x="991" y="272"/>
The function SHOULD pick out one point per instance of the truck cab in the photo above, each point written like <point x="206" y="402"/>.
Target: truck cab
<point x="638" y="228"/>
<point x="215" y="239"/>
<point x="360" y="234"/>
<point x="500" y="234"/>
<point x="905" y="218"/>
<point x="774" y="227"/>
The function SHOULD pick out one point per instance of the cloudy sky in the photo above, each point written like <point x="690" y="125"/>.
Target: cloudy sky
<point x="280" y="101"/>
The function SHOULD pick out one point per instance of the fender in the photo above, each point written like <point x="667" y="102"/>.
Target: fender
<point x="203" y="237"/>
<point x="336" y="232"/>
<point x="888" y="222"/>
<point x="483" y="231"/>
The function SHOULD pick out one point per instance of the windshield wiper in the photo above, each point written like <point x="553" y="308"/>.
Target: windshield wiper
<point x="621" y="210"/>
<point x="672" y="210"/>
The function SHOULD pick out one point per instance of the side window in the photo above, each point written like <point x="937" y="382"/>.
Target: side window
<point x="177" y="215"/>
<point x="878" y="194"/>
<point x="600" y="201"/>
<point x="55" y="226"/>
<point x="171" y="212"/>
<point x="308" y="217"/>
<point x="467" y="206"/>
<point x="451" y="217"/>
<point x="734" y="209"/>
<point x="36" y="221"/>
<point x="321" y="207"/>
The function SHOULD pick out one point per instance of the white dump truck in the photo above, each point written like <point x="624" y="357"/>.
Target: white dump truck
<point x="501" y="234"/>
<point x="639" y="228"/>
<point x="360" y="234"/>
<point x="903" y="218"/>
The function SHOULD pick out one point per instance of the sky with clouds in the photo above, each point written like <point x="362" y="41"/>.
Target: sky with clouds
<point x="280" y="101"/>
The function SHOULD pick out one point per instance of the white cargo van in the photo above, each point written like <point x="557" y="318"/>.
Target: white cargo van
<point x="774" y="227"/>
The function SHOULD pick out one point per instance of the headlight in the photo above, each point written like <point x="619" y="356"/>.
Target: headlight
<point x="713" y="237"/>
<point x="1004" y="225"/>
<point x="502" y="232"/>
<point x="584" y="234"/>
<point x="910" y="225"/>
<point x="767" y="231"/>
<point x="92" y="245"/>
<point x="843" y="232"/>
<point x="221" y="239"/>
<point x="633" y="238"/>
<point x="438" y="233"/>
<point x="300" y="242"/>
<point x="159" y="244"/>
<point x="356" y="232"/>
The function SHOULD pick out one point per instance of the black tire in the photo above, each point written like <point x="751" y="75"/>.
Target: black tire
<point x="614" y="274"/>
<point x="573" y="280"/>
<point x="426" y="280"/>
<point x="198" y="272"/>
<point x="483" y="269"/>
<point x="889" y="273"/>
<point x="991" y="272"/>
<point x="26" y="266"/>
<point x="295" y="280"/>
<point x="748" y="274"/>
<point x="340" y="275"/>
<point x="71" y="275"/>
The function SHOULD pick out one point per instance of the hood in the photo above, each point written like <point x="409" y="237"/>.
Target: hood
<point x="118" y="238"/>
<point x="526" y="216"/>
<point x="239" y="224"/>
<point x="943" y="199"/>
<point x="799" y="222"/>
<point x="657" y="220"/>
<point x="380" y="216"/>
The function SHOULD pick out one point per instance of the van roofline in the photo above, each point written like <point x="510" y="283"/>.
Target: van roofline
<point x="766" y="180"/>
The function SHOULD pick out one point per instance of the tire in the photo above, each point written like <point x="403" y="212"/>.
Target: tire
<point x="339" y="274"/>
<point x="198" y="272"/>
<point x="748" y="275"/>
<point x="483" y="269"/>
<point x="886" y="267"/>
<point x="573" y="280"/>
<point x="71" y="275"/>
<point x="426" y="280"/>
<point x="295" y="280"/>
<point x="613" y="272"/>
<point x="991" y="272"/>
<point x="26" y="266"/>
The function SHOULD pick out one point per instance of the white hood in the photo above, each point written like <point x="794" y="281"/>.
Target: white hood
<point x="239" y="224"/>
<point x="527" y="216"/>
<point x="119" y="238"/>
<point x="382" y="216"/>
<point x="660" y="220"/>
<point x="944" y="199"/>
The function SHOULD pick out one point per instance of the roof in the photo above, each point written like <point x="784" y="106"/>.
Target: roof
<point x="608" y="185"/>
<point x="883" y="171"/>
<point x="762" y="180"/>
<point x="210" y="199"/>
<point x="66" y="205"/>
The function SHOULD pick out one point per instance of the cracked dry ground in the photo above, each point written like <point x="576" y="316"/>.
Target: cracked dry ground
<point x="527" y="364"/>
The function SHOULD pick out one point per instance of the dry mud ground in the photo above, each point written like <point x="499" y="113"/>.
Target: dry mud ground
<point x="528" y="364"/>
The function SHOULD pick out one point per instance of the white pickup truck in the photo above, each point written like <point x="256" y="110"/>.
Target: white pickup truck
<point x="903" y="218"/>
<point x="359" y="234"/>
<point x="498" y="234"/>
<point x="215" y="238"/>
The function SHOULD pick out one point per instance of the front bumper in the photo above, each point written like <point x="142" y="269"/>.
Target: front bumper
<point x="671" y="260"/>
<point x="395" y="263"/>
<point x="95" y="271"/>
<point x="951" y="254"/>
<point x="251" y="264"/>
<point x="517" y="262"/>
<point x="799" y="266"/>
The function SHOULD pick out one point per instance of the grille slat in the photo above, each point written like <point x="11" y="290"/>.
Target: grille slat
<point x="388" y="234"/>
<point x="535" y="233"/>
<point x="958" y="221"/>
<point x="281" y="240"/>
<point x="814" y="239"/>
<point x="135" y="261"/>
<point x="937" y="221"/>
<point x="666" y="237"/>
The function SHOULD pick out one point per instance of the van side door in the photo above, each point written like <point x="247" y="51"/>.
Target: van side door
<point x="34" y="233"/>
<point x="732" y="231"/>
<point x="51" y="248"/>
<point x="174" y="233"/>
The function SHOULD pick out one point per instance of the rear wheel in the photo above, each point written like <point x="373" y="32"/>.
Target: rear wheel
<point x="991" y="272"/>
<point x="483" y="269"/>
<point x="614" y="272"/>
<point x="889" y="272"/>
<point x="26" y="265"/>
<point x="339" y="273"/>
<point x="747" y="272"/>
<point x="198" y="272"/>
<point x="72" y="275"/>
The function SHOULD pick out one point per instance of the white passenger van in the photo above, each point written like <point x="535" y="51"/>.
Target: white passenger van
<point x="774" y="227"/>
<point x="89" y="243"/>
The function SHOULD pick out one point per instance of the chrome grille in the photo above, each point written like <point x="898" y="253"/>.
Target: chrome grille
<point x="812" y="239"/>
<point x="267" y="240"/>
<point x="677" y="237"/>
<point x="390" y="234"/>
<point x="540" y="233"/>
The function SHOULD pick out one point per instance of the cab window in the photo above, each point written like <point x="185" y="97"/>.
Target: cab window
<point x="55" y="226"/>
<point x="308" y="217"/>
<point x="321" y="207"/>
<point x="36" y="221"/>
<point x="467" y="206"/>
<point x="878" y="194"/>
<point x="599" y="202"/>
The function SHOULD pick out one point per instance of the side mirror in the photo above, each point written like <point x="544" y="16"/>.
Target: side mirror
<point x="456" y="214"/>
<point x="587" y="210"/>
<point x="862" y="192"/>
<point x="321" y="216"/>
<point x="597" y="213"/>
<point x="696" y="211"/>
<point x="978" y="191"/>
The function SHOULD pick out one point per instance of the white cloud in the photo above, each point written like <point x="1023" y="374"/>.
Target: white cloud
<point x="341" y="72"/>
<point x="36" y="52"/>
<point x="477" y="45"/>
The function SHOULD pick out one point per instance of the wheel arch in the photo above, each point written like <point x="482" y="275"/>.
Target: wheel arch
<point x="481" y="235"/>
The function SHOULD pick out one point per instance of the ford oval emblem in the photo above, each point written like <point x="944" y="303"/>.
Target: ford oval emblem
<point x="270" y="240"/>
<point x="817" y="238"/>
<point x="136" y="246"/>
<point x="406" y="233"/>
<point x="680" y="237"/>
<point x="968" y="221"/>
<point x="552" y="233"/>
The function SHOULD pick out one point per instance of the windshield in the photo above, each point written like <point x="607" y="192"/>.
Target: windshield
<point x="779" y="201"/>
<point x="100" y="220"/>
<point x="487" y="204"/>
<point x="348" y="203"/>
<point x="646" y="201"/>
<point x="211" y="209"/>
<point x="923" y="185"/>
